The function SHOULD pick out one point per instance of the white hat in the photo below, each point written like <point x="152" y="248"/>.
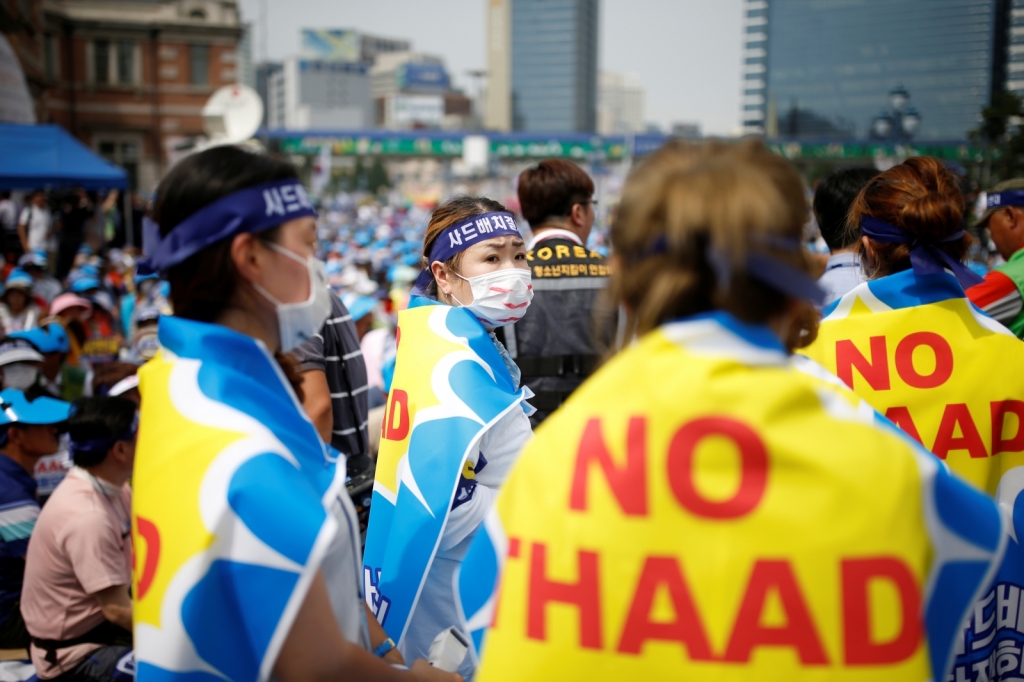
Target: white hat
<point x="124" y="385"/>
<point x="18" y="350"/>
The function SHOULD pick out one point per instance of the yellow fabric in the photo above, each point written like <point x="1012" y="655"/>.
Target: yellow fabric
<point x="414" y="380"/>
<point x="164" y="487"/>
<point x="780" y="551"/>
<point x="940" y="372"/>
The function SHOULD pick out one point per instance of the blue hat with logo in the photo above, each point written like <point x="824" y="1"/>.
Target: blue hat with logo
<point x="17" y="408"/>
<point x="49" y="339"/>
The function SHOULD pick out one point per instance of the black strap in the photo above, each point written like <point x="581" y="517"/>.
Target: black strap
<point x="557" y="365"/>
<point x="104" y="633"/>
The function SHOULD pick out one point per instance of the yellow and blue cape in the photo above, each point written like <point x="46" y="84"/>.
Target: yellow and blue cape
<point x="451" y="385"/>
<point x="230" y="521"/>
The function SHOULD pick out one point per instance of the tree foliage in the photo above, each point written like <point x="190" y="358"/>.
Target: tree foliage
<point x="1001" y="136"/>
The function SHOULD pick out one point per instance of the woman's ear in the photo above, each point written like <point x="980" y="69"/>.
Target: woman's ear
<point x="869" y="250"/>
<point x="440" y="273"/>
<point x="246" y="257"/>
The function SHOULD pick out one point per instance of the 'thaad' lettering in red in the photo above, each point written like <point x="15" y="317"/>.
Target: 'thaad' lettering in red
<point x="798" y="633"/>
<point x="584" y="595"/>
<point x="627" y="483"/>
<point x="946" y="440"/>
<point x="957" y="418"/>
<point x="1001" y="408"/>
<point x="857" y="575"/>
<point x="398" y="408"/>
<point x="150" y="534"/>
<point x="900" y="416"/>
<point x="686" y="628"/>
<point x="770" y="579"/>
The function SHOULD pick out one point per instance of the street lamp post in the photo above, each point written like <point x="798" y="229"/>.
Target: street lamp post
<point x="900" y="122"/>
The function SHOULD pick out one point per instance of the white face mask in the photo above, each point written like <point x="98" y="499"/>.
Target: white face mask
<point x="20" y="375"/>
<point x="500" y="297"/>
<point x="298" y="322"/>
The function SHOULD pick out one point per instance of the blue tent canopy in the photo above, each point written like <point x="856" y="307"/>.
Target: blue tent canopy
<point x="46" y="155"/>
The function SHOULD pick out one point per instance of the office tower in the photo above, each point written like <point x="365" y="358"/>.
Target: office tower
<point x="554" y="65"/>
<point x="844" y="70"/>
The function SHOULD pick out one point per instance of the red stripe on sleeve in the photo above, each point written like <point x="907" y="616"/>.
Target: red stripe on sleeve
<point x="995" y="287"/>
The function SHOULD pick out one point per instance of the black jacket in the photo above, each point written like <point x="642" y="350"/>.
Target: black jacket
<point x="567" y="327"/>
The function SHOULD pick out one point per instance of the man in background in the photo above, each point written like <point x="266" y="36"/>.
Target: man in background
<point x="831" y="204"/>
<point x="1000" y="294"/>
<point x="9" y="228"/>
<point x="78" y="571"/>
<point x="28" y="432"/>
<point x="35" y="224"/>
<point x="555" y="345"/>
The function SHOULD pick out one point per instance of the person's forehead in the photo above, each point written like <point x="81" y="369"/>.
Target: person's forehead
<point x="501" y="242"/>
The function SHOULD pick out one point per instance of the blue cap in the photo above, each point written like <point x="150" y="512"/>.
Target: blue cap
<point x="85" y="284"/>
<point x="358" y="306"/>
<point x="19" y="278"/>
<point x="49" y="339"/>
<point x="36" y="257"/>
<point x="15" y="408"/>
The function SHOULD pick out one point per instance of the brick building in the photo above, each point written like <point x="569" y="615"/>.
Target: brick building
<point x="128" y="77"/>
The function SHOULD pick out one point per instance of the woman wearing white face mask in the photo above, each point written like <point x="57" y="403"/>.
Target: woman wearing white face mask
<point x="249" y="562"/>
<point x="455" y="423"/>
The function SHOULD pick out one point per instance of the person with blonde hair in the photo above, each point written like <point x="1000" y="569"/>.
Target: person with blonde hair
<point x="700" y="509"/>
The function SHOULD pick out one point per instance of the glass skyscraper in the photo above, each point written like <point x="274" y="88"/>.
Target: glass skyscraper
<point x="823" y="69"/>
<point x="554" y="65"/>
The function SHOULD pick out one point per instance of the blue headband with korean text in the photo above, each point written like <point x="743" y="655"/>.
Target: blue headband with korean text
<point x="460" y="237"/>
<point x="249" y="210"/>
<point x="1011" y="197"/>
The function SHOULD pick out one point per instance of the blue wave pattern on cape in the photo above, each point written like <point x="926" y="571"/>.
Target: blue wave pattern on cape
<point x="451" y="385"/>
<point x="230" y="519"/>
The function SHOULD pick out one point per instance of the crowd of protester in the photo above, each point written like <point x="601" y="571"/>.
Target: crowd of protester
<point x="83" y="309"/>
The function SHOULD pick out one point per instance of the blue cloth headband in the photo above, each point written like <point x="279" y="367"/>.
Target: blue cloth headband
<point x="460" y="237"/>
<point x="925" y="256"/>
<point x="1011" y="197"/>
<point x="97" y="446"/>
<point x="253" y="209"/>
<point x="776" y="274"/>
<point x="773" y="272"/>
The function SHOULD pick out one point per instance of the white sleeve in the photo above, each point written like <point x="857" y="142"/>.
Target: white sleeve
<point x="500" y="447"/>
<point x="26" y="214"/>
